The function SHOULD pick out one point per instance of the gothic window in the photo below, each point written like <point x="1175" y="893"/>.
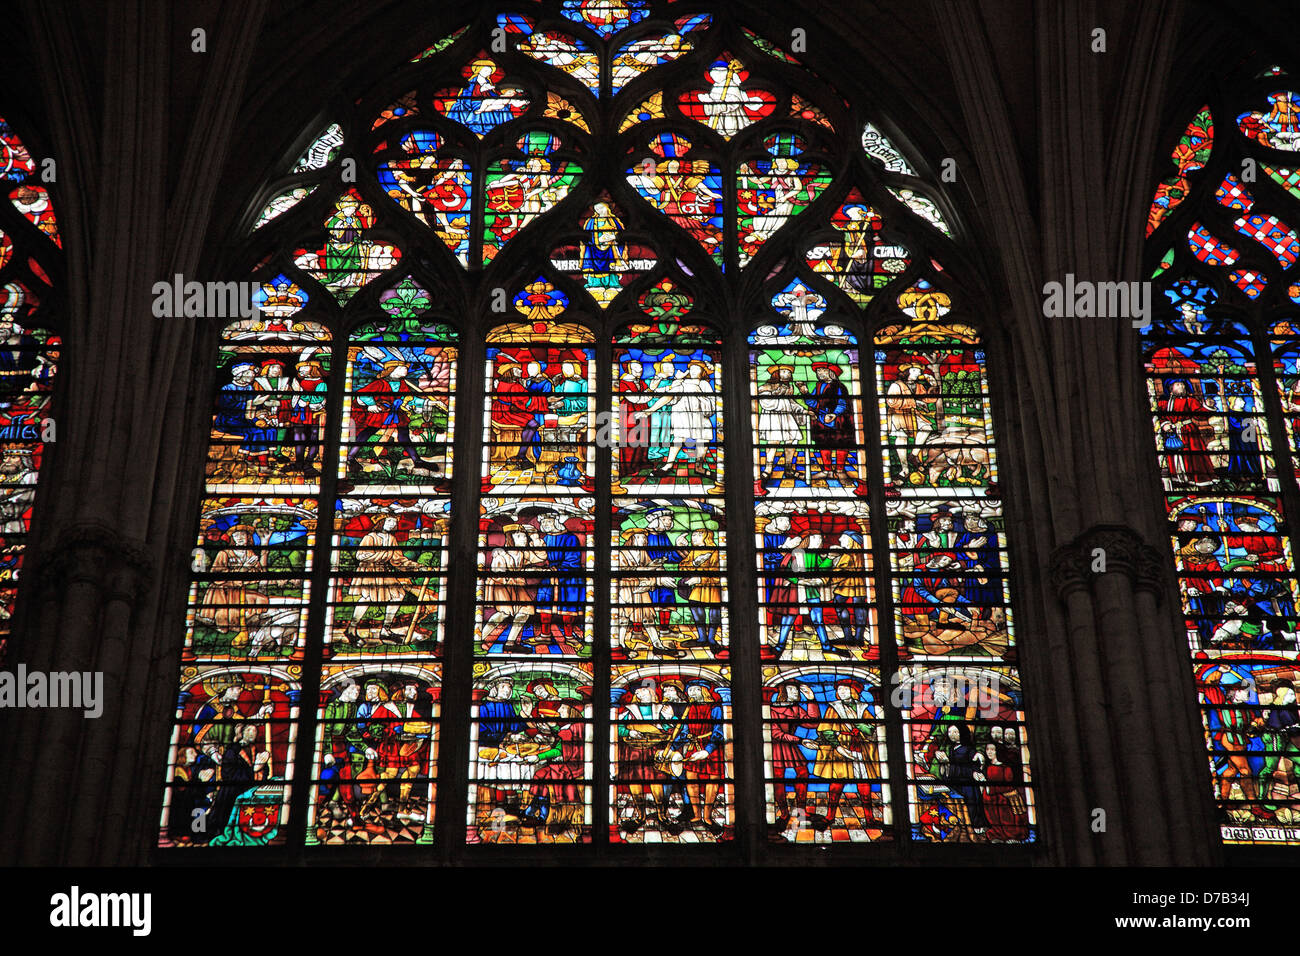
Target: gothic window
<point x="609" y="461"/>
<point x="1223" y="374"/>
<point x="30" y="252"/>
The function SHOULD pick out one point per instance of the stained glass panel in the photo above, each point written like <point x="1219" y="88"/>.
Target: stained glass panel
<point x="1225" y="490"/>
<point x="29" y="361"/>
<point x="670" y="735"/>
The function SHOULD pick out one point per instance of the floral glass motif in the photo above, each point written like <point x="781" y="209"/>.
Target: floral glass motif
<point x="441" y="45"/>
<point x="1191" y="153"/>
<point x="1225" y="471"/>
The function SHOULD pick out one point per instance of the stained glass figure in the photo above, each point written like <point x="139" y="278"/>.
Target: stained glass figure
<point x="281" y="203"/>
<point x="29" y="360"/>
<point x="348" y="260"/>
<point x="727" y="105"/>
<point x="824" y="755"/>
<point x="1278" y="127"/>
<point x="231" y="757"/>
<point x="602" y="594"/>
<point x="770" y="192"/>
<point x="602" y="259"/>
<point x="967" y="755"/>
<point x="530" y="753"/>
<point x="567" y="54"/>
<point x="641" y="56"/>
<point x="374" y="773"/>
<point x="670" y="732"/>
<point x="686" y="190"/>
<point x="436" y="189"/>
<point x="860" y="262"/>
<point x="671" y="754"/>
<point x="519" y="190"/>
<point x="923" y="207"/>
<point x="484" y="102"/>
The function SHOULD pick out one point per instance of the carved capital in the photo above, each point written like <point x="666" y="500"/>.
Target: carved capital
<point x="94" y="553"/>
<point x="1106" y="549"/>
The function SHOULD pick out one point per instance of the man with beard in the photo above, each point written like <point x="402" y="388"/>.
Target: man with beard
<point x="1191" y="421"/>
<point x="17" y="488"/>
<point x="561" y="594"/>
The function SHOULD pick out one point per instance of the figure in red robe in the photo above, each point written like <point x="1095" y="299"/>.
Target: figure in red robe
<point x="1191" y="420"/>
<point x="788" y="715"/>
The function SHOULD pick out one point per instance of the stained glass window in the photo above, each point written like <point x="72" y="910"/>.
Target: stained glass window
<point x="1222" y="379"/>
<point x="30" y="248"/>
<point x="476" y="525"/>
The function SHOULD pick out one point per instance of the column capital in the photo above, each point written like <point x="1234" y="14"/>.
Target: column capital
<point x="94" y="553"/>
<point x="1105" y="549"/>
